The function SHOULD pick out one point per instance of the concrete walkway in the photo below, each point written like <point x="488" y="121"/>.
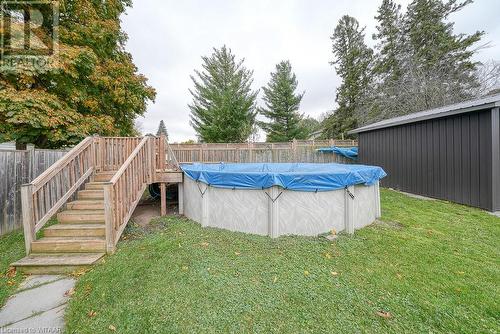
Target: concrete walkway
<point x="38" y="305"/>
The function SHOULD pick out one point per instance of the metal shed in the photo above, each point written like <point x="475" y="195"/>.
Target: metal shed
<point x="450" y="153"/>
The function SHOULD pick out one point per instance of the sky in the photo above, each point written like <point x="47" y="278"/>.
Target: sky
<point x="167" y="39"/>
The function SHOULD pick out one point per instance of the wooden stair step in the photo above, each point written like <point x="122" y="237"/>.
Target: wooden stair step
<point x="81" y="216"/>
<point x="91" y="194"/>
<point x="69" y="245"/>
<point x="95" y="185"/>
<point x="56" y="263"/>
<point x="86" y="205"/>
<point x="75" y="230"/>
<point x="103" y="176"/>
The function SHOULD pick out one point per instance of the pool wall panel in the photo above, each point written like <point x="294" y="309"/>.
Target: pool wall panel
<point x="298" y="213"/>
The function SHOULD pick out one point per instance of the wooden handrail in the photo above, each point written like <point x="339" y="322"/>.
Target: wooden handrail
<point x="43" y="178"/>
<point x="127" y="162"/>
<point x="47" y="193"/>
<point x="123" y="192"/>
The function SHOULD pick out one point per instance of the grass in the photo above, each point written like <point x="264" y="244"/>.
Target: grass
<point x="11" y="249"/>
<point x="431" y="266"/>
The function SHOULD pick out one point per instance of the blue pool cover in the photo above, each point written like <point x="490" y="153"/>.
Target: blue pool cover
<point x="348" y="152"/>
<point x="291" y="176"/>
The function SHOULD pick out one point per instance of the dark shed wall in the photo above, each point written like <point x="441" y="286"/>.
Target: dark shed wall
<point x="448" y="158"/>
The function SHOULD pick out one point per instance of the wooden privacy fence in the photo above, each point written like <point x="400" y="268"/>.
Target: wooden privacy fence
<point x="296" y="151"/>
<point x="17" y="168"/>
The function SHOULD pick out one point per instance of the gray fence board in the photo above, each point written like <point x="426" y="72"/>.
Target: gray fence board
<point x="18" y="168"/>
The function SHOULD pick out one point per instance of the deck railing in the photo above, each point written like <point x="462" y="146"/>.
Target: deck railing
<point x="111" y="152"/>
<point x="123" y="192"/>
<point x="46" y="194"/>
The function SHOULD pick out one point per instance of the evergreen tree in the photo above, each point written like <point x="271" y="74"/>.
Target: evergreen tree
<point x="421" y="63"/>
<point x="442" y="59"/>
<point x="162" y="130"/>
<point x="353" y="63"/>
<point x="223" y="107"/>
<point x="390" y="36"/>
<point x="91" y="87"/>
<point x="282" y="106"/>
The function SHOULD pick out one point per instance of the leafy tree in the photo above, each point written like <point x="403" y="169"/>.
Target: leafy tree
<point x="91" y="86"/>
<point x="282" y="106"/>
<point x="162" y="130"/>
<point x="353" y="63"/>
<point x="223" y="107"/>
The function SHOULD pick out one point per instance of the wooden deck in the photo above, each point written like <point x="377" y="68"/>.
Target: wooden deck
<point x="97" y="186"/>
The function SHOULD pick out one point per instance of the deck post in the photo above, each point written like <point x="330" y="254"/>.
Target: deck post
<point x="28" y="224"/>
<point x="108" y="218"/>
<point x="180" y="188"/>
<point x="349" y="209"/>
<point x="151" y="163"/>
<point x="163" y="197"/>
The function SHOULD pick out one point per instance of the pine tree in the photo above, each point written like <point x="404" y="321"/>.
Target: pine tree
<point x="353" y="62"/>
<point x="442" y="59"/>
<point x="282" y="106"/>
<point x="390" y="36"/>
<point x="223" y="107"/>
<point x="162" y="130"/>
<point x="421" y="63"/>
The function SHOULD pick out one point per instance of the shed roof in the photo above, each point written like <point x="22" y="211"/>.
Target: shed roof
<point x="452" y="109"/>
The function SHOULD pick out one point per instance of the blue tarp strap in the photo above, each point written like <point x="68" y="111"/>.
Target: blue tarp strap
<point x="349" y="192"/>
<point x="273" y="200"/>
<point x="199" y="189"/>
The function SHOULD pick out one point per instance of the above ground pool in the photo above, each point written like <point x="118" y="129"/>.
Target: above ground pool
<point x="282" y="198"/>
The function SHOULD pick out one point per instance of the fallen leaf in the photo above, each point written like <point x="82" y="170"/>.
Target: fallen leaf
<point x="333" y="231"/>
<point x="92" y="314"/>
<point x="328" y="255"/>
<point x="384" y="314"/>
<point x="11" y="272"/>
<point x="112" y="328"/>
<point x="399" y="276"/>
<point x="237" y="253"/>
<point x="79" y="273"/>
<point x="204" y="244"/>
<point x="275" y="279"/>
<point x="10" y="283"/>
<point x="69" y="293"/>
<point x="334" y="273"/>
<point x="306" y="273"/>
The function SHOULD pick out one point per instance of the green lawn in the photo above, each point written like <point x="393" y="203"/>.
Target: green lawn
<point x="431" y="267"/>
<point x="11" y="249"/>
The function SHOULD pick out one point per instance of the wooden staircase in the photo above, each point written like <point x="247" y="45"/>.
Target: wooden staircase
<point x="78" y="240"/>
<point x="104" y="179"/>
